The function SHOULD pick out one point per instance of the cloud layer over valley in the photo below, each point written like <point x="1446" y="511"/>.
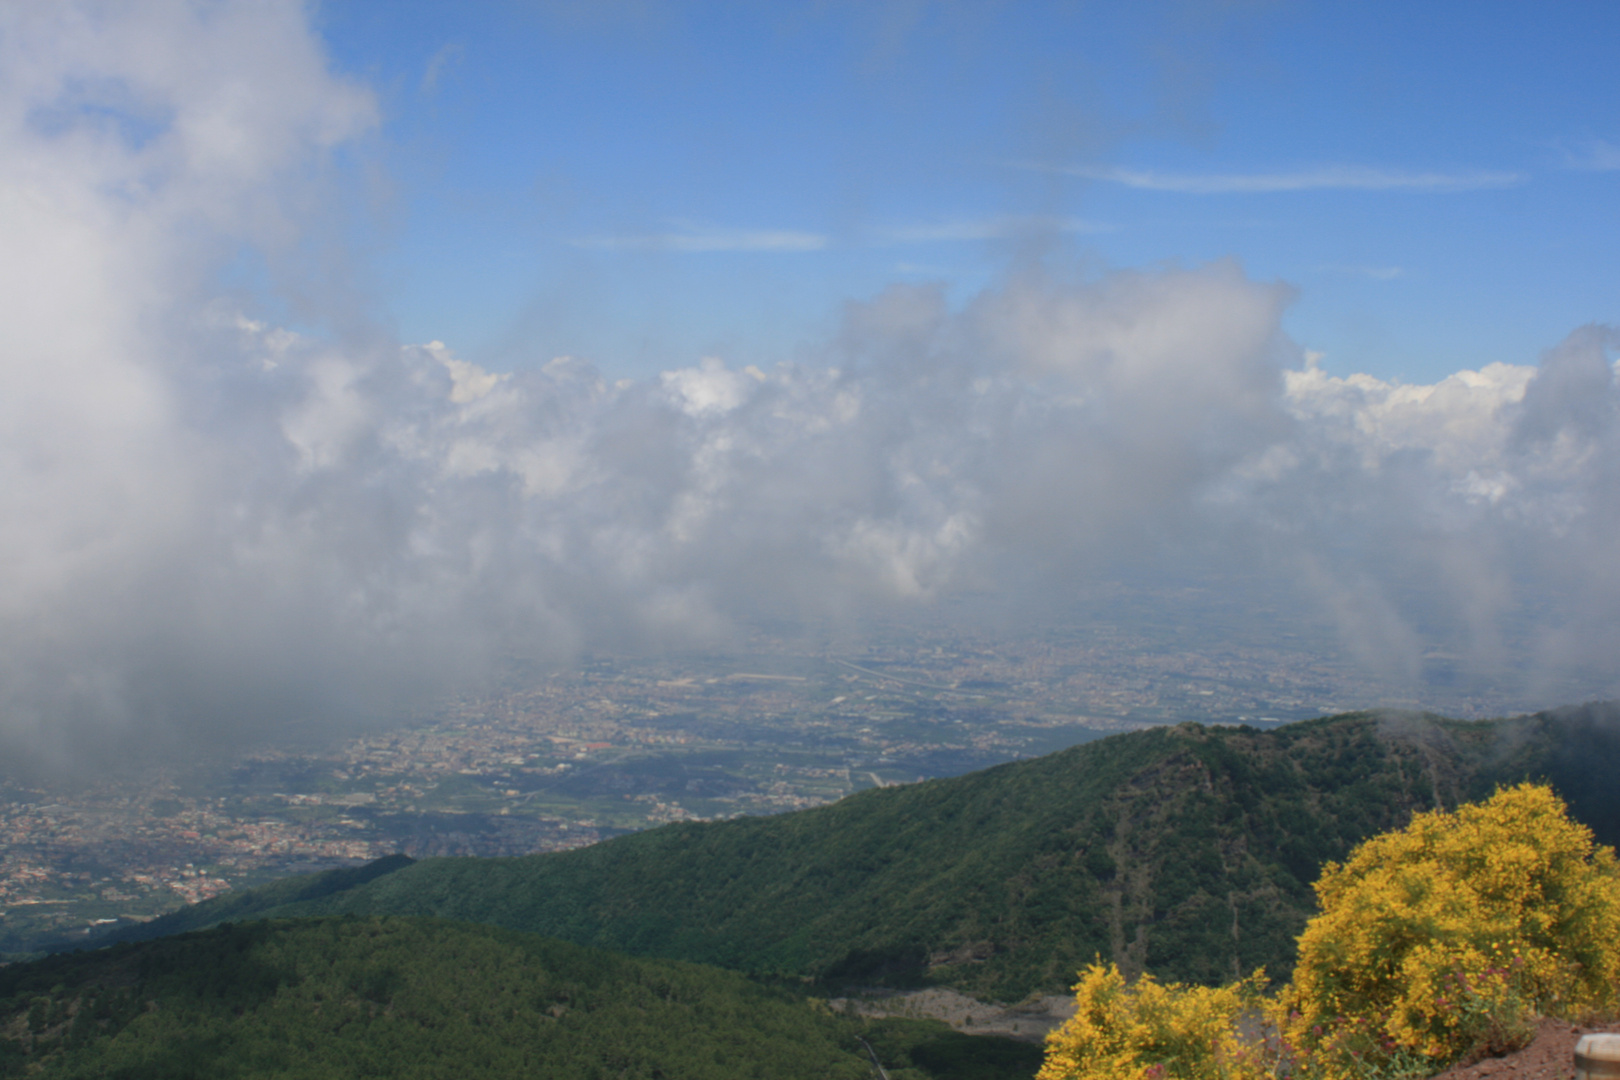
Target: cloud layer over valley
<point x="210" y="522"/>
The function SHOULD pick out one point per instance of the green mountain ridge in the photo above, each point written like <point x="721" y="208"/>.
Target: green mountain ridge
<point x="418" y="998"/>
<point x="1186" y="851"/>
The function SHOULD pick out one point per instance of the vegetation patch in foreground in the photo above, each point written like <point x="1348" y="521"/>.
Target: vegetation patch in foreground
<point x="1441" y="942"/>
<point x="409" y="998"/>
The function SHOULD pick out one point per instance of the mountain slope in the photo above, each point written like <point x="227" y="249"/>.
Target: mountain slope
<point x="425" y="998"/>
<point x="247" y="904"/>
<point x="1186" y="851"/>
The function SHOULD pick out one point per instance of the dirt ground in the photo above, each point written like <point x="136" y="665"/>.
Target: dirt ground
<point x="1550" y="1057"/>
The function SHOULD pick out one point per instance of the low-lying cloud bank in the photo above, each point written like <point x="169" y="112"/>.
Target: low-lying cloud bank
<point x="210" y="525"/>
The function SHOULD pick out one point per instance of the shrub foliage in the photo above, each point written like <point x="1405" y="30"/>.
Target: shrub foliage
<point x="1446" y="937"/>
<point x="1438" y="942"/>
<point x="1154" y="1031"/>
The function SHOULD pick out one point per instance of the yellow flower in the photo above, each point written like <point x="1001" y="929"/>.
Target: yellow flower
<point x="1411" y="922"/>
<point x="1153" y="1031"/>
<point x="1444" y="938"/>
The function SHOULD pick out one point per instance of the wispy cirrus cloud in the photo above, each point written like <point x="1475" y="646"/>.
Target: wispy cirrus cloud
<point x="998" y="227"/>
<point x="1594" y="155"/>
<point x="448" y="56"/>
<point x="1375" y="273"/>
<point x="1325" y="178"/>
<point x="697" y="237"/>
<point x="692" y="236"/>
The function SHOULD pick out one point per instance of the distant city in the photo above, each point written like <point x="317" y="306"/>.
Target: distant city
<point x="563" y="759"/>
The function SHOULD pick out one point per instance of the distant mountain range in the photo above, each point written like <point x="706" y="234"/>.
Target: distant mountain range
<point x="1187" y="851"/>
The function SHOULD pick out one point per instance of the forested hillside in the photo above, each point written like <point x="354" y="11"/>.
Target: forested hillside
<point x="409" y="998"/>
<point x="1186" y="851"/>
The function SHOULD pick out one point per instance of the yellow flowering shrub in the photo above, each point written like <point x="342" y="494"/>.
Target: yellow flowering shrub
<point x="1447" y="938"/>
<point x="1154" y="1031"/>
<point x="1440" y="941"/>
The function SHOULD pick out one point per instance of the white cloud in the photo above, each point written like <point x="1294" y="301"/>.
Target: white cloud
<point x="446" y="56"/>
<point x="710" y="388"/>
<point x="209" y="524"/>
<point x="691" y="237"/>
<point x="1593" y="155"/>
<point x="1458" y="421"/>
<point x="469" y="382"/>
<point x="1473" y="507"/>
<point x="998" y="227"/>
<point x="1374" y="273"/>
<point x="1325" y="178"/>
<point x="685" y="236"/>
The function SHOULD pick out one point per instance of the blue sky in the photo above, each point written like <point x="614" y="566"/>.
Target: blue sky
<point x="642" y="184"/>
